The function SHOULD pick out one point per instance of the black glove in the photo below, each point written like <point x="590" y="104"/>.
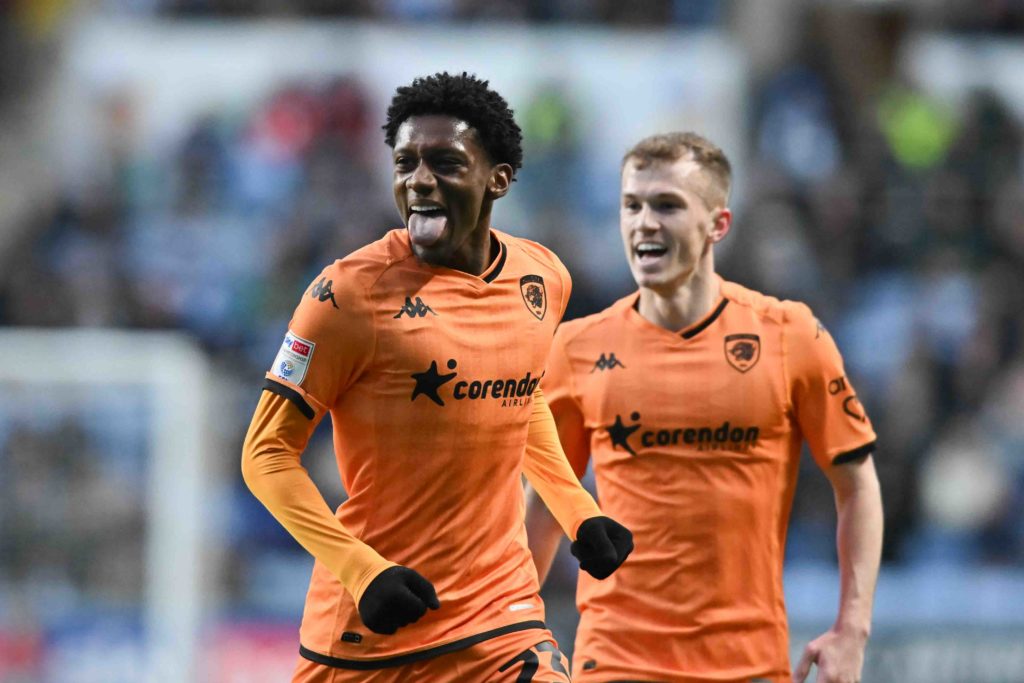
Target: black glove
<point x="396" y="597"/>
<point x="601" y="545"/>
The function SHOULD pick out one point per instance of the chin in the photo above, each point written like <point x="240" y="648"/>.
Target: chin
<point x="435" y="254"/>
<point x="650" y="280"/>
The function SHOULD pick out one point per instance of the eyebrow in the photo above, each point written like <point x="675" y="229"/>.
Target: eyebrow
<point x="658" y="195"/>
<point x="433" y="151"/>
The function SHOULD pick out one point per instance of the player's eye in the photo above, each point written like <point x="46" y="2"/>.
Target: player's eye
<point x="449" y="164"/>
<point x="629" y="205"/>
<point x="403" y="162"/>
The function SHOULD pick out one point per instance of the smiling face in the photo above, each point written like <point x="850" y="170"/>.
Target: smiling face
<point x="445" y="184"/>
<point x="671" y="213"/>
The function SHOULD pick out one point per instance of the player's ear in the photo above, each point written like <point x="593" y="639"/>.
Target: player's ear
<point x="500" y="180"/>
<point x="721" y="222"/>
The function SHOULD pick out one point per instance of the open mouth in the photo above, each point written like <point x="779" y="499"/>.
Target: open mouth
<point x="427" y="223"/>
<point x="649" y="252"/>
<point x="428" y="211"/>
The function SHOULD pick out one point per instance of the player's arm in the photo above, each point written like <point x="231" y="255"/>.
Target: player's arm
<point x="600" y="543"/>
<point x="841" y="440"/>
<point x="325" y="350"/>
<point x="839" y="653"/>
<point x="272" y="469"/>
<point x="543" y="531"/>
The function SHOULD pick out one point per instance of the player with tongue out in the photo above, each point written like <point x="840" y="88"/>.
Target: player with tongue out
<point x="445" y="185"/>
<point x="423" y="573"/>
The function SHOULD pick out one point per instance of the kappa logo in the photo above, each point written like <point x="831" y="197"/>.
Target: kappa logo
<point x="742" y="350"/>
<point x="607" y="362"/>
<point x="723" y="437"/>
<point x="414" y="310"/>
<point x="322" y="291"/>
<point x="534" y="295"/>
<point x="512" y="391"/>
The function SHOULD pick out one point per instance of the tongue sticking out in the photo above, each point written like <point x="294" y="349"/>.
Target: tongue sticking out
<point x="425" y="231"/>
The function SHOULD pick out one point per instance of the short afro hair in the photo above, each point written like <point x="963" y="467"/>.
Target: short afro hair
<point x="468" y="99"/>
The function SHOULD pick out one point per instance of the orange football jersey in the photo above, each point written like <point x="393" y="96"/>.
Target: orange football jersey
<point x="430" y="378"/>
<point x="696" y="438"/>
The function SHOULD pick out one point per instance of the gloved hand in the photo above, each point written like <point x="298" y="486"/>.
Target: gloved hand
<point x="396" y="597"/>
<point x="601" y="545"/>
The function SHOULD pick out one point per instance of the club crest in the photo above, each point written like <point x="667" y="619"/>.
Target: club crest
<point x="742" y="350"/>
<point x="535" y="296"/>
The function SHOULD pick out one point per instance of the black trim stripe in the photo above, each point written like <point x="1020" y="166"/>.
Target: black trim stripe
<point x="421" y="655"/>
<point x="854" y="455"/>
<point x="693" y="332"/>
<point x="290" y="394"/>
<point x="501" y="264"/>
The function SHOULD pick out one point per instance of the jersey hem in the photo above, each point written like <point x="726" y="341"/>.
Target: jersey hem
<point x="420" y="655"/>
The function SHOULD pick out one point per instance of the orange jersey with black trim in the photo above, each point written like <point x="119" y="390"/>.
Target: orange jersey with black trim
<point x="696" y="439"/>
<point x="430" y="378"/>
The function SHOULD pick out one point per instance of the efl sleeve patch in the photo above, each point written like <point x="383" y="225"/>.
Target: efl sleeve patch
<point x="292" y="360"/>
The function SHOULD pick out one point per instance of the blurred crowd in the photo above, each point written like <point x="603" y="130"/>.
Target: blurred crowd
<point x="599" y="11"/>
<point x="898" y="218"/>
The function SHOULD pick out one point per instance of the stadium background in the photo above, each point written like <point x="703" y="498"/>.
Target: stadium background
<point x="188" y="165"/>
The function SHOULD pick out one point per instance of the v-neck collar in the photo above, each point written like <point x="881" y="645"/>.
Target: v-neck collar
<point x="685" y="334"/>
<point x="478" y="281"/>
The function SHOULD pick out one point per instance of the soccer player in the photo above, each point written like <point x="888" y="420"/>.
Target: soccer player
<point x="426" y="348"/>
<point x="693" y="397"/>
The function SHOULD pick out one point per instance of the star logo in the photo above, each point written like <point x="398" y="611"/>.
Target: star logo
<point x="619" y="433"/>
<point x="430" y="380"/>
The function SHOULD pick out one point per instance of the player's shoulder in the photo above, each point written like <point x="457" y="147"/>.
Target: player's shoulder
<point x="363" y="267"/>
<point x="594" y="327"/>
<point x="767" y="307"/>
<point x="534" y="252"/>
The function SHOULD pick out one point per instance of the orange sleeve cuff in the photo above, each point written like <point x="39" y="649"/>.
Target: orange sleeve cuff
<point x="550" y="473"/>
<point x="272" y="469"/>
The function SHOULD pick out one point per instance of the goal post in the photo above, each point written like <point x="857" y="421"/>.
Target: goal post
<point x="175" y="376"/>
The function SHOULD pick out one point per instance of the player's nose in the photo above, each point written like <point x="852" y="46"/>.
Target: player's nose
<point x="421" y="180"/>
<point x="646" y="220"/>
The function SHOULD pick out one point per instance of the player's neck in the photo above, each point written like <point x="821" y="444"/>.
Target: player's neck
<point x="683" y="306"/>
<point x="477" y="253"/>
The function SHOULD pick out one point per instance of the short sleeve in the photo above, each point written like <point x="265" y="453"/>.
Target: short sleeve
<point x="826" y="407"/>
<point x="330" y="340"/>
<point x="563" y="273"/>
<point x="558" y="387"/>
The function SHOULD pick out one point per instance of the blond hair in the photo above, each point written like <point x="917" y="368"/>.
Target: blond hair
<point x="670" y="147"/>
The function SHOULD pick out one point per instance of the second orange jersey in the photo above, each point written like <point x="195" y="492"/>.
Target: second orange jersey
<point x="696" y="438"/>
